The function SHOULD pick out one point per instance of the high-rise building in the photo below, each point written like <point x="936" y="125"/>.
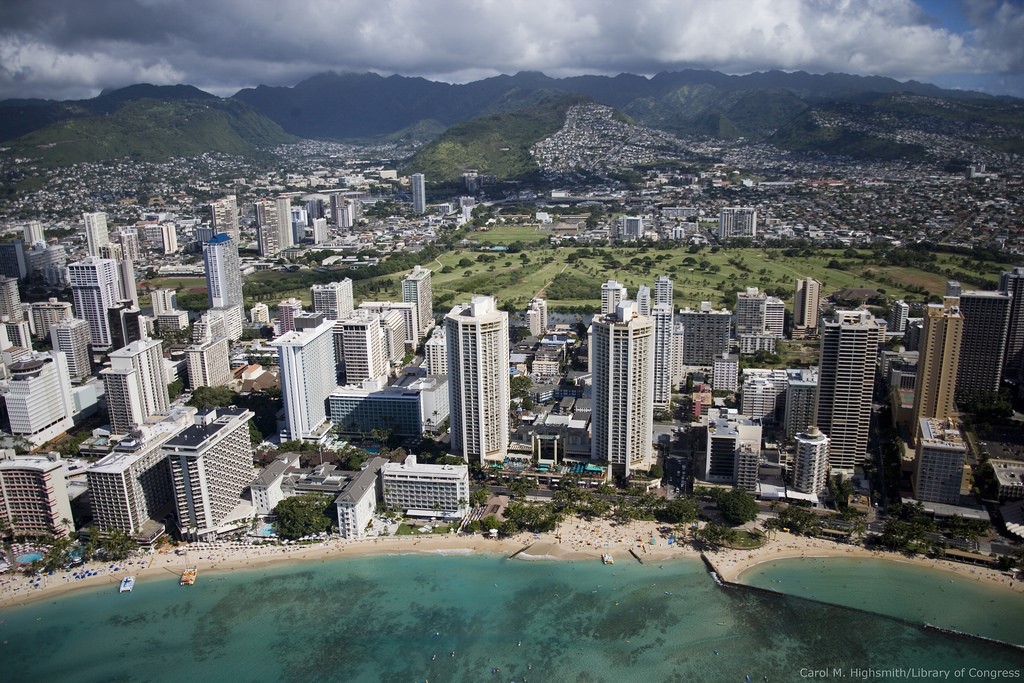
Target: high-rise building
<point x="663" y="287"/>
<point x="306" y="360"/>
<point x="259" y="314"/>
<point x="733" y="451"/>
<point x="17" y="333"/>
<point x="661" y="316"/>
<point x="224" y="216"/>
<point x="71" y="337"/>
<point x="268" y="231"/>
<point x="774" y="316"/>
<point x="1012" y="282"/>
<point x="136" y="385"/>
<point x="419" y="193"/>
<point x="705" y="334"/>
<point x="319" y="229"/>
<point x="417" y="288"/>
<point x="737" y="221"/>
<point x="13" y="262"/>
<point x="223" y="273"/>
<point x="208" y="363"/>
<point x="805" y="307"/>
<point x="126" y="282"/>
<point x="939" y="356"/>
<point x="94" y="289"/>
<point x="211" y="464"/>
<point x="612" y="293"/>
<point x="810" y="462"/>
<point x="34" y="232"/>
<point x="362" y="347"/>
<point x="164" y="300"/>
<point x="407" y="311"/>
<point x="125" y="324"/>
<point x="435" y="351"/>
<point x="898" y="315"/>
<point x="34" y="495"/>
<point x="846" y="376"/>
<point x="750" y="312"/>
<point x="801" y="400"/>
<point x="46" y="313"/>
<point x="412" y="486"/>
<point x="478" y="381"/>
<point x="622" y="353"/>
<point x="725" y="373"/>
<point x="10" y="300"/>
<point x="537" y="316"/>
<point x="96" y="233"/>
<point x="286" y="312"/>
<point x="643" y="300"/>
<point x="939" y="468"/>
<point x="982" y="348"/>
<point x="333" y="299"/>
<point x="38" y="398"/>
<point x="130" y="490"/>
<point x="286" y="232"/>
<point x="128" y="238"/>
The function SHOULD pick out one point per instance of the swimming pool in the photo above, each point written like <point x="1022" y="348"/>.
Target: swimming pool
<point x="28" y="558"/>
<point x="266" y="531"/>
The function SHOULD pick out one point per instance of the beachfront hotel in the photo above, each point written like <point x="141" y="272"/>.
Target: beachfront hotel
<point x="357" y="503"/>
<point x="417" y="288"/>
<point x="211" y="464"/>
<point x="622" y="363"/>
<point x="810" y="463"/>
<point x="939" y="354"/>
<point x="131" y="489"/>
<point x="34" y="495"/>
<point x="38" y="398"/>
<point x="939" y="469"/>
<point x="306" y="359"/>
<point x="478" y="381"/>
<point x="422" y="490"/>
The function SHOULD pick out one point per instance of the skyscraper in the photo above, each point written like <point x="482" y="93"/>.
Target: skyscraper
<point x="705" y="334"/>
<point x="211" y="464"/>
<point x="268" y="230"/>
<point x="136" y="385"/>
<point x="537" y="316"/>
<point x="94" y="288"/>
<point x="622" y="350"/>
<point x="612" y="293"/>
<point x="208" y="363"/>
<point x="643" y="300"/>
<point x="939" y="356"/>
<point x="419" y="193"/>
<point x="846" y="377"/>
<point x="805" y="307"/>
<point x="898" y="315"/>
<point x="982" y="349"/>
<point x="1012" y="282"/>
<point x="939" y="467"/>
<point x="96" y="234"/>
<point x="34" y="495"/>
<point x="306" y="360"/>
<point x="478" y="382"/>
<point x="10" y="300"/>
<point x="285" y="232"/>
<point x="333" y="299"/>
<point x="750" y="312"/>
<point x="46" y="313"/>
<point x="737" y="221"/>
<point x="34" y="232"/>
<point x="71" y="337"/>
<point x="661" y="315"/>
<point x="663" y="290"/>
<point x="286" y="312"/>
<point x="223" y="274"/>
<point x="362" y="347"/>
<point x="224" y="216"/>
<point x="38" y="398"/>
<point x="417" y="288"/>
<point x="811" y="462"/>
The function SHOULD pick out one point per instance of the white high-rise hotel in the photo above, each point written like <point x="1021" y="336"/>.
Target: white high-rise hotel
<point x="478" y="383"/>
<point x="306" y="359"/>
<point x="96" y="234"/>
<point x="38" y="398"/>
<point x="136" y="387"/>
<point x="333" y="299"/>
<point x="622" y="353"/>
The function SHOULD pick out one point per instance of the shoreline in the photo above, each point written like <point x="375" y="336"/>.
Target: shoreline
<point x="573" y="540"/>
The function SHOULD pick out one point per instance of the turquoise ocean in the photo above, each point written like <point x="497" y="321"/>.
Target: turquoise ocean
<point x="483" y="618"/>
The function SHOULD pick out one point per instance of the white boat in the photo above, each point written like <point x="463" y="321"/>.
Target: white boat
<point x="127" y="584"/>
<point x="607" y="559"/>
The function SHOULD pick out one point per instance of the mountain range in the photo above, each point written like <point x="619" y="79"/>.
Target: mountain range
<point x="857" y="116"/>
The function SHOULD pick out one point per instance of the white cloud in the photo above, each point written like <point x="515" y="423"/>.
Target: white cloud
<point x="73" y="48"/>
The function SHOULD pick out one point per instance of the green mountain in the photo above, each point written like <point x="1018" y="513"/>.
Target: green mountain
<point x="152" y="130"/>
<point x="498" y="144"/>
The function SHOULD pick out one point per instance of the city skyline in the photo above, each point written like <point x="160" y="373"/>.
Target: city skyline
<point x="65" y="50"/>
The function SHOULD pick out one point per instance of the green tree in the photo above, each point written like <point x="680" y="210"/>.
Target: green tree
<point x="479" y="497"/>
<point x="681" y="510"/>
<point x="519" y="386"/>
<point x="205" y="398"/>
<point x="300" y="516"/>
<point x="738" y="507"/>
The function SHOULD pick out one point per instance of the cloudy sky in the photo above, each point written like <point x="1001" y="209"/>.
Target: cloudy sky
<point x="65" y="49"/>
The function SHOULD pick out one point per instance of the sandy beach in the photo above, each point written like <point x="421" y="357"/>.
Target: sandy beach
<point x="573" y="540"/>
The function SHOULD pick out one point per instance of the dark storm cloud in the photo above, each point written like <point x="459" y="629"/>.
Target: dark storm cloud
<point x="73" y="48"/>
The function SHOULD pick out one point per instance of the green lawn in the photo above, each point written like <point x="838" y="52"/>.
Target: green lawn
<point x="507" y="234"/>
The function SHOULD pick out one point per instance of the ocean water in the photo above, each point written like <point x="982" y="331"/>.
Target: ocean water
<point x="900" y="590"/>
<point x="401" y="618"/>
